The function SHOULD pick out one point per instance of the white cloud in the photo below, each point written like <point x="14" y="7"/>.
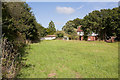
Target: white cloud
<point x="65" y="10"/>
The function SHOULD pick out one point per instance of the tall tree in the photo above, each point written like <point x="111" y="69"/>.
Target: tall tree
<point x="77" y="22"/>
<point x="41" y="31"/>
<point x="51" y="28"/>
<point x="103" y="22"/>
<point x="69" y="29"/>
<point x="20" y="19"/>
<point x="18" y="25"/>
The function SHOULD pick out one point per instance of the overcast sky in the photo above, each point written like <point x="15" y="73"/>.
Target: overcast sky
<point x="61" y="12"/>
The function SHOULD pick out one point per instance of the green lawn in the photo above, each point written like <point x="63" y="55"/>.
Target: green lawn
<point x="71" y="59"/>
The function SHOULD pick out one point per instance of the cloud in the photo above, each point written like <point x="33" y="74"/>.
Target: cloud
<point x="80" y="7"/>
<point x="65" y="10"/>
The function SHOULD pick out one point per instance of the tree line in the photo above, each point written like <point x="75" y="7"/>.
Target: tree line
<point x="19" y="27"/>
<point x="105" y="23"/>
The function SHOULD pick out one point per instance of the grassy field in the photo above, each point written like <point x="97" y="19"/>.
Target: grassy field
<point x="71" y="59"/>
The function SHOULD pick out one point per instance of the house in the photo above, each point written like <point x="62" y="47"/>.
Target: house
<point x="91" y="37"/>
<point x="49" y="37"/>
<point x="112" y="39"/>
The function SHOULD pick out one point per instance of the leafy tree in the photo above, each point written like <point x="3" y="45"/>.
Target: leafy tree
<point x="103" y="22"/>
<point x="92" y="23"/>
<point x="51" y="28"/>
<point x="24" y="21"/>
<point x="77" y="22"/>
<point x="69" y="29"/>
<point x="18" y="25"/>
<point x="59" y="34"/>
<point x="115" y="23"/>
<point x="41" y="31"/>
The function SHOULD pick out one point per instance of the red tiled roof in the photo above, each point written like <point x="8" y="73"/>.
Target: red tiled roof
<point x="51" y="36"/>
<point x="79" y="29"/>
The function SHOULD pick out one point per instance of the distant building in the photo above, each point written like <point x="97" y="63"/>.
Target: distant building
<point x="49" y="37"/>
<point x="91" y="37"/>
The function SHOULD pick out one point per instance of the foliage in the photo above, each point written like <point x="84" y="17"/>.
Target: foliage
<point x="77" y="22"/>
<point x="69" y="29"/>
<point x="51" y="28"/>
<point x="18" y="26"/>
<point x="59" y="34"/>
<point x="21" y="21"/>
<point x="11" y="58"/>
<point x="41" y="31"/>
<point x="105" y="23"/>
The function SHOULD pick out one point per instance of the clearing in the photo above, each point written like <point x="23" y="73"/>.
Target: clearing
<point x="71" y="59"/>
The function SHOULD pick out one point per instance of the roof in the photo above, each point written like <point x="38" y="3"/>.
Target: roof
<point x="79" y="29"/>
<point x="51" y="36"/>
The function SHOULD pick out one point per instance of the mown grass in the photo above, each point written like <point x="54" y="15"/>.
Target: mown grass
<point x="72" y="59"/>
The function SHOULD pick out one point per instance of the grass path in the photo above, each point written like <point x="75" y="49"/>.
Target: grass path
<point x="72" y="59"/>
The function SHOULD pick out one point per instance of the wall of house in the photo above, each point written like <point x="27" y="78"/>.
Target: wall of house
<point x="81" y="38"/>
<point x="48" y="38"/>
<point x="80" y="33"/>
<point x="91" y="38"/>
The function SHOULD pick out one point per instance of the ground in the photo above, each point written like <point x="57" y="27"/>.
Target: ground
<point x="71" y="59"/>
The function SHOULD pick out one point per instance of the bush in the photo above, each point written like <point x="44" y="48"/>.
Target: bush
<point x="18" y="25"/>
<point x="11" y="57"/>
<point x="59" y="34"/>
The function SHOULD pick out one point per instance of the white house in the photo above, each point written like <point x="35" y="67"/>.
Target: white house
<point x="91" y="37"/>
<point x="49" y="37"/>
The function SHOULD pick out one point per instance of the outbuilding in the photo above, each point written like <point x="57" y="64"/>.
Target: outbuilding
<point x="49" y="37"/>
